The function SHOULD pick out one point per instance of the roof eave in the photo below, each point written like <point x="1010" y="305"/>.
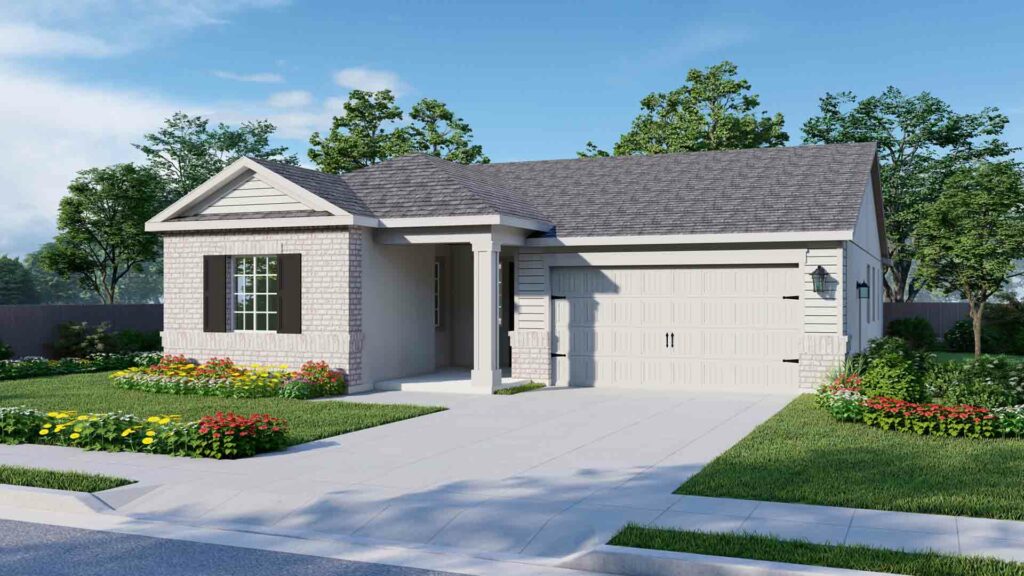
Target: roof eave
<point x="721" y="238"/>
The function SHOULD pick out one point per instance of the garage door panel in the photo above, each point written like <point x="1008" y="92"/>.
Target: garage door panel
<point x="730" y="327"/>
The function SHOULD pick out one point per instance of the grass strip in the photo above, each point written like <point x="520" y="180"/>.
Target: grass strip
<point x="59" y="479"/>
<point x="519" y="389"/>
<point x="757" y="547"/>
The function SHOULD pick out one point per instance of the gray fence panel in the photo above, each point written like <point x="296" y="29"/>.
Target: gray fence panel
<point x="941" y="315"/>
<point x="30" y="329"/>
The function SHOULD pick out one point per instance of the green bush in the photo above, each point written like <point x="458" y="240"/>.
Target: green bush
<point x="79" y="340"/>
<point x="33" y="367"/>
<point x="941" y="377"/>
<point x="915" y="331"/>
<point x="960" y="338"/>
<point x="127" y="341"/>
<point x="989" y="381"/>
<point x="5" y="351"/>
<point x="893" y="377"/>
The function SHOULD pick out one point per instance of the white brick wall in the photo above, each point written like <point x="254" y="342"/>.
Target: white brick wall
<point x="331" y="298"/>
<point x="531" y="354"/>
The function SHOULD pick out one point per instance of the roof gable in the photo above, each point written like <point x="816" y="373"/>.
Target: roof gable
<point x="248" y="193"/>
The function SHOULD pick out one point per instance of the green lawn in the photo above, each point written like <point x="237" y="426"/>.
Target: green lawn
<point x="963" y="356"/>
<point x="803" y="455"/>
<point x="519" y="389"/>
<point x="307" y="420"/>
<point x="757" y="547"/>
<point x="58" y="479"/>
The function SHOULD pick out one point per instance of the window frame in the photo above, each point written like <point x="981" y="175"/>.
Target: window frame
<point x="264" y="315"/>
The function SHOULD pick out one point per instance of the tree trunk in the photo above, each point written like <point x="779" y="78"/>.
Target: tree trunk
<point x="976" y="316"/>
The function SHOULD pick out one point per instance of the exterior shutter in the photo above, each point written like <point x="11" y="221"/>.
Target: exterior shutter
<point x="215" y="288"/>
<point x="289" y="293"/>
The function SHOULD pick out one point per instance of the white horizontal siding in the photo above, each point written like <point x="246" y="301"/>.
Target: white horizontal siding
<point x="531" y="295"/>
<point x="823" y="312"/>
<point x="252" y="195"/>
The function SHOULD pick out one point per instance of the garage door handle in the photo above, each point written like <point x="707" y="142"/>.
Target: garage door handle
<point x="790" y="297"/>
<point x="673" y="339"/>
<point x="666" y="339"/>
<point x="791" y="360"/>
<point x="554" y="355"/>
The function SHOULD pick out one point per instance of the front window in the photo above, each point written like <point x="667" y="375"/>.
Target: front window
<point x="255" y="293"/>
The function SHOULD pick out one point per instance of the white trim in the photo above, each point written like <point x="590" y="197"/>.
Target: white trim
<point x="253" y="223"/>
<point x="481" y="220"/>
<point x="230" y="174"/>
<point x="795" y="257"/>
<point x="727" y="238"/>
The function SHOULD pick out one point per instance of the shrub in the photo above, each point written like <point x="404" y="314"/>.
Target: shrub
<point x="34" y="367"/>
<point x="127" y="341"/>
<point x="842" y="397"/>
<point x="78" y="340"/>
<point x="322" y="380"/>
<point x="1010" y="420"/>
<point x="218" y="436"/>
<point x="933" y="419"/>
<point x="5" y="351"/>
<point x="941" y="377"/>
<point x="915" y="331"/>
<point x="894" y="378"/>
<point x="989" y="381"/>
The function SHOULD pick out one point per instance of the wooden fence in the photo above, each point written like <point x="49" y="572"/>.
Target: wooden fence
<point x="941" y="315"/>
<point x="30" y="329"/>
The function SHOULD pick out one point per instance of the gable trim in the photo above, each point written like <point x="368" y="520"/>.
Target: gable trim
<point x="231" y="174"/>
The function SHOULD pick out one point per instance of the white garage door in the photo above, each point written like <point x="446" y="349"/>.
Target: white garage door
<point x="712" y="328"/>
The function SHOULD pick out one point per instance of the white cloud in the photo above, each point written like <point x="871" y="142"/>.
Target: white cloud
<point x="264" y="77"/>
<point x="335" y="105"/>
<point x="24" y="39"/>
<point x="290" y="99"/>
<point x="53" y="129"/>
<point x="360" y="78"/>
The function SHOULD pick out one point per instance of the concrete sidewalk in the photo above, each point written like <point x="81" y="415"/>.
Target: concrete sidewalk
<point x="832" y="525"/>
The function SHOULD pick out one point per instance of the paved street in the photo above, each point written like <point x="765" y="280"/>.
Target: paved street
<point x="543" y="474"/>
<point x="36" y="549"/>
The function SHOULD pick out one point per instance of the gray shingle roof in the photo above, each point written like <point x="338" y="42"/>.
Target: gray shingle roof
<point x="798" y="189"/>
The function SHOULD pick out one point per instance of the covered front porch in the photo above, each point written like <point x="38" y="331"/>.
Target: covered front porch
<point x="439" y="307"/>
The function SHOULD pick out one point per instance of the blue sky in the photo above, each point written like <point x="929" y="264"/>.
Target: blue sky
<point x="84" y="79"/>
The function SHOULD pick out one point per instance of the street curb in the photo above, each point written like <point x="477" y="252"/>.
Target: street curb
<point x="642" y="562"/>
<point x="51" y="500"/>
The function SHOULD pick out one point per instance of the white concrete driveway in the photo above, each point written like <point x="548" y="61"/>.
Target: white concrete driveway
<point x="546" y="473"/>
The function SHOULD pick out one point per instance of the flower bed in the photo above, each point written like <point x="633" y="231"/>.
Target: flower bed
<point x="846" y="402"/>
<point x="222" y="377"/>
<point x="33" y="367"/>
<point x="218" y="436"/>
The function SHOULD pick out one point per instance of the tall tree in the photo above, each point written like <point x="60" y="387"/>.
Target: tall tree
<point x="921" y="140"/>
<point x="714" y="110"/>
<point x="51" y="287"/>
<point x="366" y="133"/>
<point x="16" y="285"/>
<point x="592" y="151"/>
<point x="436" y="130"/>
<point x="100" y="227"/>
<point x="186" y="151"/>
<point x="967" y="240"/>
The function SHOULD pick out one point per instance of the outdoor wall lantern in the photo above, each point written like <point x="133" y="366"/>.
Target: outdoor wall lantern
<point x="818" y="279"/>
<point x="863" y="290"/>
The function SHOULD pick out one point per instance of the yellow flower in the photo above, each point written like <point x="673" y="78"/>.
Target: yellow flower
<point x="165" y="420"/>
<point x="47" y="425"/>
<point x="82" y="418"/>
<point x="150" y="433"/>
<point x="126" y="432"/>
<point x="58" y="428"/>
<point x="153" y="419"/>
<point x="147" y="441"/>
<point x="44" y="432"/>
<point x="75" y="436"/>
<point x="52" y="414"/>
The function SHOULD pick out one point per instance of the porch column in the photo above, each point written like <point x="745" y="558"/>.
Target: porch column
<point x="486" y="375"/>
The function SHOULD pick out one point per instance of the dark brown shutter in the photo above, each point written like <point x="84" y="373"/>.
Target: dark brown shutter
<point x="215" y="290"/>
<point x="289" y="293"/>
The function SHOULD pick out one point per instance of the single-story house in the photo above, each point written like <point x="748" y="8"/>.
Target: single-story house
<point x="751" y="270"/>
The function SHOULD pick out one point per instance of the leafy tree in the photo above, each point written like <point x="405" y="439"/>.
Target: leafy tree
<point x="592" y="151"/>
<point x="186" y="152"/>
<point x="714" y="110"/>
<point x="363" y="135"/>
<point x="100" y="227"/>
<point x="967" y="240"/>
<point x="51" y="287"/>
<point x="16" y="285"/>
<point x="921" y="140"/>
<point x="438" y="132"/>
